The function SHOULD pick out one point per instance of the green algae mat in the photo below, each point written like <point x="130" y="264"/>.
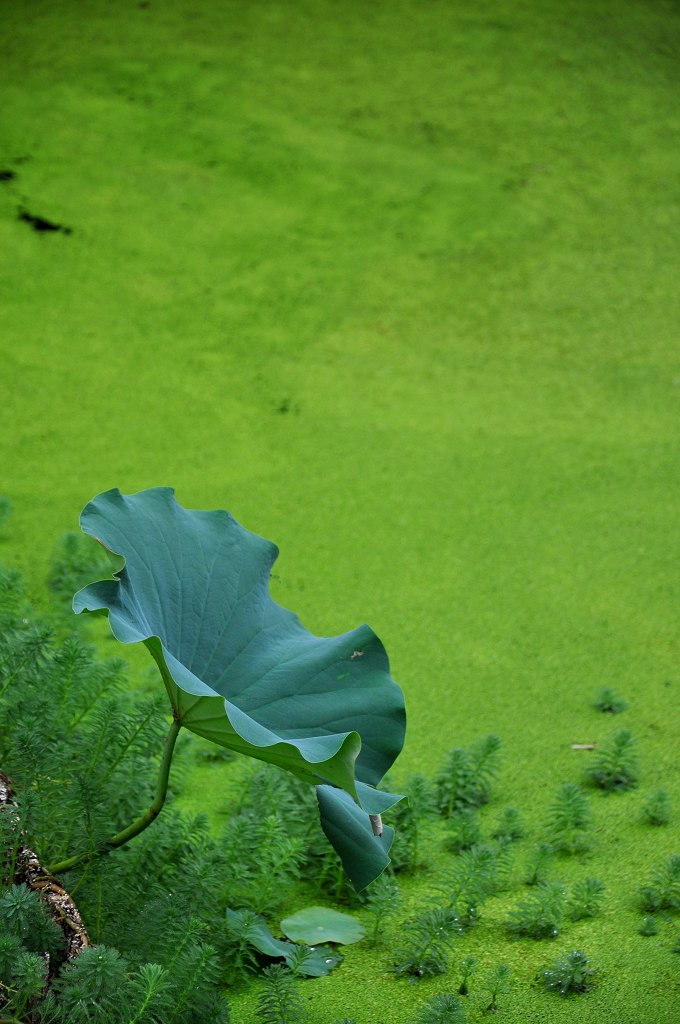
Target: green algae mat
<point x="395" y="284"/>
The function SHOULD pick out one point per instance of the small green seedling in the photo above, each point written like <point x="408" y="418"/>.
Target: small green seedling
<point x="468" y="966"/>
<point x="466" y="777"/>
<point x="497" y="983"/>
<point x="585" y="900"/>
<point x="656" y="809"/>
<point x="540" y="915"/>
<point x="382" y="900"/>
<point x="509" y="826"/>
<point x="569" y="821"/>
<point x="100" y="985"/>
<point x="412" y="818"/>
<point x="539" y="861"/>
<point x="608" y="702"/>
<point x="279" y="1001"/>
<point x="24" y="916"/>
<point x="476" y="875"/>
<point x="427" y="943"/>
<point x="570" y="975"/>
<point x="444" y="1008"/>
<point x="463" y="830"/>
<point x="662" y="892"/>
<point x="27" y="985"/>
<point x="615" y="768"/>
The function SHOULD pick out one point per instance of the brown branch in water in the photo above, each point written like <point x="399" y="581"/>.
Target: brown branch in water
<point x="29" y="871"/>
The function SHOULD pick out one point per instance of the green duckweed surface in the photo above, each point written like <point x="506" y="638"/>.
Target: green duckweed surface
<point x="395" y="283"/>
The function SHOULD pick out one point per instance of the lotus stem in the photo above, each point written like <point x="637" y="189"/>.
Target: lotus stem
<point x="376" y="825"/>
<point x="138" y="826"/>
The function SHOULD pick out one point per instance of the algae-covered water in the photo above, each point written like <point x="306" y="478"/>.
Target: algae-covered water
<point x="397" y="284"/>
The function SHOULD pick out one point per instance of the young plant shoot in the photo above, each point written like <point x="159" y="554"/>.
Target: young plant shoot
<point x="497" y="983"/>
<point x="467" y="967"/>
<point x="443" y="1008"/>
<point x="569" y="821"/>
<point x="656" y="809"/>
<point x="615" y="768"/>
<point x="540" y="915"/>
<point x="662" y="891"/>
<point x="427" y="944"/>
<point x="609" y="702"/>
<point x="570" y="975"/>
<point x="585" y="899"/>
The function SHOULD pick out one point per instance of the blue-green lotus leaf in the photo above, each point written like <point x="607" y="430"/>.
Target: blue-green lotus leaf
<point x="349" y="831"/>
<point x="319" y="961"/>
<point x="241" y="670"/>
<point x="322" y="924"/>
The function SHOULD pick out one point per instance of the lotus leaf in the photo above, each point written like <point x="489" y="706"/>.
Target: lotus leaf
<point x="321" y="924"/>
<point x="320" y="961"/>
<point x="244" y="672"/>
